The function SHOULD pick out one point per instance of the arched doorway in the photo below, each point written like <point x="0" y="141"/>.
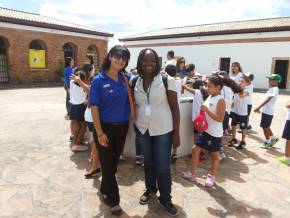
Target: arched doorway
<point x="93" y="51"/>
<point x="4" y="76"/>
<point x="69" y="50"/>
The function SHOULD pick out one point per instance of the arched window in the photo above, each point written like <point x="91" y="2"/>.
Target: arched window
<point x="37" y="54"/>
<point x="93" y="51"/>
<point x="69" y="50"/>
<point x="4" y="76"/>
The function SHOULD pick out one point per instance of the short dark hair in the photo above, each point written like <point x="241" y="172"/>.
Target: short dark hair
<point x="140" y="58"/>
<point x="170" y="70"/>
<point x="170" y="53"/>
<point x="67" y="61"/>
<point x="117" y="51"/>
<point x="190" y="67"/>
<point x="87" y="68"/>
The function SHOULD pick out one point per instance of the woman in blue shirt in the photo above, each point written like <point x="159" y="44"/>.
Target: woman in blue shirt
<point x="68" y="70"/>
<point x="111" y="112"/>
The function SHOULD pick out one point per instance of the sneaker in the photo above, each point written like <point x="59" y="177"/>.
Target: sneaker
<point x="147" y="195"/>
<point x="77" y="148"/>
<point x="222" y="154"/>
<point x="122" y="157"/>
<point x="173" y="158"/>
<point x="274" y="140"/>
<point x="232" y="142"/>
<point x="210" y="180"/>
<point x="283" y="160"/>
<point x="139" y="160"/>
<point x="188" y="176"/>
<point x="170" y="208"/>
<point x="266" y="145"/>
<point x="242" y="145"/>
<point x="93" y="173"/>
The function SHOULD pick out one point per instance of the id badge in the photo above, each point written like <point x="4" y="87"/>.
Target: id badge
<point x="148" y="110"/>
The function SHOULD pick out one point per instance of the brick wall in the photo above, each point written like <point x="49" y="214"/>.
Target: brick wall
<point x="18" y="55"/>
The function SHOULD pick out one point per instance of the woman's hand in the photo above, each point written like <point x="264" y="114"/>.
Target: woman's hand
<point x="75" y="78"/>
<point x="103" y="140"/>
<point x="257" y="110"/>
<point x="176" y="140"/>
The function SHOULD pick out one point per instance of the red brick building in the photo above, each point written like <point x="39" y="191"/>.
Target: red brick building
<point x="33" y="47"/>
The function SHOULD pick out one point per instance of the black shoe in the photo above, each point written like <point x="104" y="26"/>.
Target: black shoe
<point x="173" y="158"/>
<point x="117" y="212"/>
<point x="170" y="208"/>
<point x="93" y="173"/>
<point x="232" y="142"/>
<point x="144" y="199"/>
<point x="242" y="145"/>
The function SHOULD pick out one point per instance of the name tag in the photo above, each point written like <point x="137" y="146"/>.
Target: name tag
<point x="107" y="86"/>
<point x="148" y="110"/>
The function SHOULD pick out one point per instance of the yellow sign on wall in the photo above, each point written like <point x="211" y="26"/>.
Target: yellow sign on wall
<point x="36" y="58"/>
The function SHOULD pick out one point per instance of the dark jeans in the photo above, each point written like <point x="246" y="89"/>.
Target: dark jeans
<point x="138" y="150"/>
<point x="109" y="157"/>
<point x="156" y="151"/>
<point x="67" y="103"/>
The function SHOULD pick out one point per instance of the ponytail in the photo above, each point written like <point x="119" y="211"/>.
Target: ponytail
<point x="219" y="81"/>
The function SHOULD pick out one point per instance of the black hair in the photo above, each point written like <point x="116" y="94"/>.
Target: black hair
<point x="251" y="77"/>
<point x="140" y="59"/>
<point x="204" y="93"/>
<point x="91" y="59"/>
<point x="238" y="65"/>
<point x="178" y="62"/>
<point x="170" y="70"/>
<point x="117" y="51"/>
<point x="82" y="75"/>
<point x="219" y="81"/>
<point x="170" y="53"/>
<point x="67" y="61"/>
<point x="87" y="68"/>
<point x="197" y="84"/>
<point x="190" y="67"/>
<point x="246" y="78"/>
<point x="75" y="70"/>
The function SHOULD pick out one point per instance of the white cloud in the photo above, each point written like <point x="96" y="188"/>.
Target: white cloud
<point x="127" y="17"/>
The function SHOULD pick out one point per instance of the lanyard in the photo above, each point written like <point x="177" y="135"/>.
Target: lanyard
<point x="148" y="95"/>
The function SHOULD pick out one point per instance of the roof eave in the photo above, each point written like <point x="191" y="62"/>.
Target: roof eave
<point x="225" y="32"/>
<point x="53" y="26"/>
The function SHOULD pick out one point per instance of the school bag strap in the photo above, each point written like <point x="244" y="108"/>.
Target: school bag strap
<point x="131" y="97"/>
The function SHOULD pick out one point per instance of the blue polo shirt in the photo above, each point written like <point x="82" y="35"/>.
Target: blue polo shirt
<point x="67" y="73"/>
<point x="183" y="72"/>
<point x="111" y="97"/>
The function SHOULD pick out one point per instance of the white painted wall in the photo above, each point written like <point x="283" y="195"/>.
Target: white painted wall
<point x="254" y="57"/>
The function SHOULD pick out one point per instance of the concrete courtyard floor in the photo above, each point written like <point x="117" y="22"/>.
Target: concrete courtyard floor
<point x="41" y="177"/>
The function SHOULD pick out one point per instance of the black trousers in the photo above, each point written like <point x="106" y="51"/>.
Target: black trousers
<point x="226" y="121"/>
<point x="67" y="103"/>
<point x="109" y="157"/>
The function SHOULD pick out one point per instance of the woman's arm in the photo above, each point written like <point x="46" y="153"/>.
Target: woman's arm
<point x="85" y="87"/>
<point x="221" y="108"/>
<point x="191" y="90"/>
<point x="102" y="138"/>
<point x="173" y="104"/>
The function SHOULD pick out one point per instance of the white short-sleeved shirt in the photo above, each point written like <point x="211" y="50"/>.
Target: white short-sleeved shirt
<point x="178" y="90"/>
<point x="170" y="62"/>
<point x="269" y="107"/>
<point x="240" y="105"/>
<point x="249" y="89"/>
<point x="288" y="115"/>
<point x="197" y="102"/>
<point x="237" y="77"/>
<point x="214" y="128"/>
<point x="228" y="94"/>
<point x="160" y="120"/>
<point x="88" y="115"/>
<point x="77" y="94"/>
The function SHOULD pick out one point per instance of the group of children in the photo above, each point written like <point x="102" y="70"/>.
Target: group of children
<point x="227" y="101"/>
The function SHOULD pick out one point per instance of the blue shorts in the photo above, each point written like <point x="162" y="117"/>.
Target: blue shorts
<point x="208" y="142"/>
<point x="238" y="119"/>
<point x="286" y="132"/>
<point x="77" y="112"/>
<point x="266" y="121"/>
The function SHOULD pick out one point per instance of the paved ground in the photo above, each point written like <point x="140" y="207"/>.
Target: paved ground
<point x="41" y="177"/>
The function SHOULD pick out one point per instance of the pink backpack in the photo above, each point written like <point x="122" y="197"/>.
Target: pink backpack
<point x="200" y="124"/>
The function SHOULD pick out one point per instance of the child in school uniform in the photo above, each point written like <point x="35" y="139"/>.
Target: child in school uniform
<point x="267" y="109"/>
<point x="210" y="140"/>
<point x="286" y="135"/>
<point x="77" y="99"/>
<point x="249" y="98"/>
<point x="240" y="113"/>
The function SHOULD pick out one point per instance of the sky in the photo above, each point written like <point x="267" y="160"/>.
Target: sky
<point x="129" y="17"/>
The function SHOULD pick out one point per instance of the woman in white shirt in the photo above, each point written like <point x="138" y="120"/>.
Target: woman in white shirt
<point x="156" y="126"/>
<point x="237" y="72"/>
